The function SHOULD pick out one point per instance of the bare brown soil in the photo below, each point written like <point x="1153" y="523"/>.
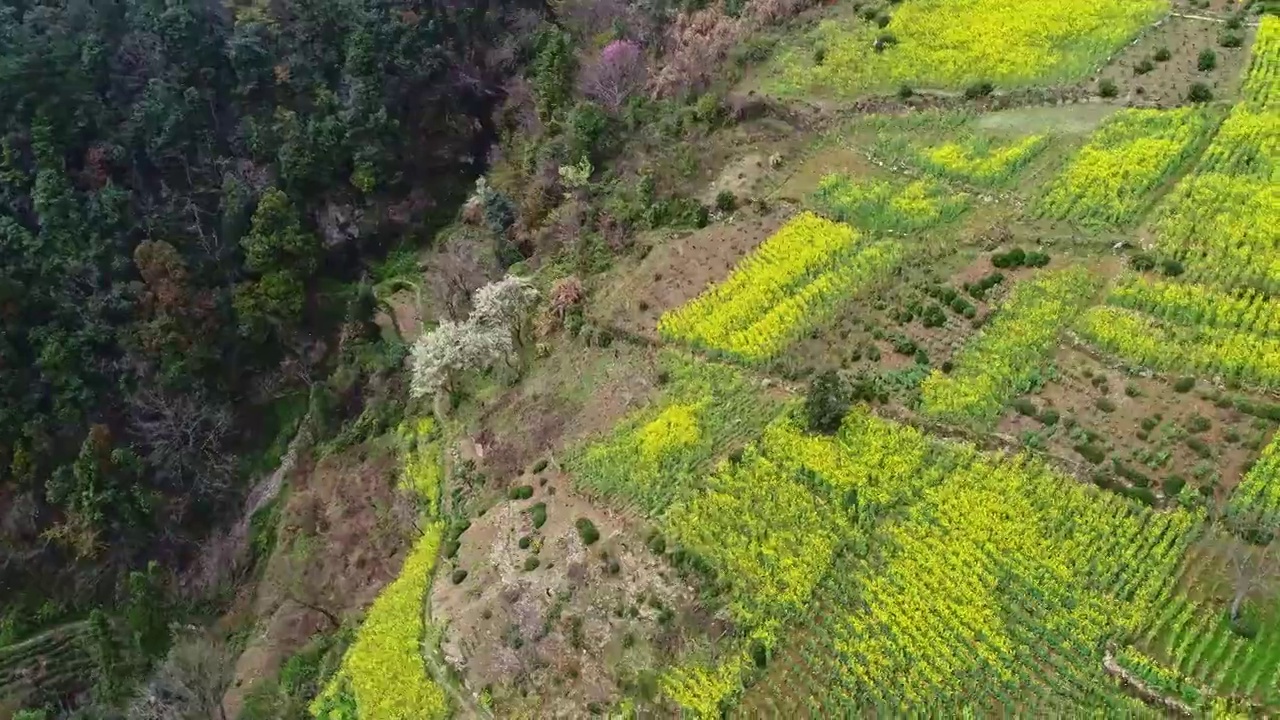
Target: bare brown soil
<point x="1081" y="393"/>
<point x="575" y="392"/>
<point x="1169" y="82"/>
<point x="586" y="625"/>
<point x="679" y="268"/>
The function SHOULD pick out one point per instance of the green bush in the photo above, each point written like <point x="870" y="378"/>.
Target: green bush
<point x="828" y="401"/>
<point x="1024" y="406"/>
<point x="539" y="466"/>
<point x="524" y="542"/>
<point x="1090" y="452"/>
<point x="1231" y="40"/>
<point x="1198" y="424"/>
<point x="1184" y="384"/>
<point x="1162" y="54"/>
<point x="905" y="92"/>
<point x="1142" y="262"/>
<point x="725" y="201"/>
<point x="979" y="89"/>
<point x="1207" y="61"/>
<point x="1144" y="66"/>
<point x="1011" y="259"/>
<point x="1172" y="268"/>
<point x="458" y="576"/>
<point x="586" y="132"/>
<point x="520" y="492"/>
<point x="1107" y="88"/>
<point x="1173" y="485"/>
<point x="538" y="512"/>
<point x="586" y="530"/>
<point x="1036" y="259"/>
<point x="1105" y="404"/>
<point x="1049" y="416"/>
<point x="1130" y="474"/>
<point x="451" y="548"/>
<point x="1246" y="623"/>
<point x="1143" y="495"/>
<point x="531" y="563"/>
<point x="1199" y="93"/>
<point x="1199" y="447"/>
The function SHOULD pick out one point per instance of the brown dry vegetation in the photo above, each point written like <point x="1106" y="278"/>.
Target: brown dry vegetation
<point x="342" y="536"/>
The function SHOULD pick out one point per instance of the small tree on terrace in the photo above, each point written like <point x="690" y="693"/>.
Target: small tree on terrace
<point x="619" y="73"/>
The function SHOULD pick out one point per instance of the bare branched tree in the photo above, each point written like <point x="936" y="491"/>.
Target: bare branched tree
<point x="189" y="684"/>
<point x="184" y="437"/>
<point x="456" y="272"/>
<point x="1253" y="566"/>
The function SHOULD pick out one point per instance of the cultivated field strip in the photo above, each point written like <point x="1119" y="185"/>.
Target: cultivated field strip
<point x="962" y="575"/>
<point x="1109" y="181"/>
<point x="992" y="367"/>
<point x="792" y="284"/>
<point x="1220" y="220"/>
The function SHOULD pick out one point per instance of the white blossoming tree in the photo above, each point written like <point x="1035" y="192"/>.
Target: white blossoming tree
<point x="507" y="304"/>
<point x="491" y="333"/>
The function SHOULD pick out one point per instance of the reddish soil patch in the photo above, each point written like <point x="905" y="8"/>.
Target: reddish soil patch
<point x="576" y="631"/>
<point x="1168" y="82"/>
<point x="678" y="269"/>
<point x="1141" y="422"/>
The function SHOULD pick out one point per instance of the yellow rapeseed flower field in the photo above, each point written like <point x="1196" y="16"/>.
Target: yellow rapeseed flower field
<point x="981" y="163"/>
<point x="791" y="284"/>
<point x="953" y="43"/>
<point x="384" y="668"/>
<point x="1221" y="218"/>
<point x="991" y="367"/>
<point x="1109" y="180"/>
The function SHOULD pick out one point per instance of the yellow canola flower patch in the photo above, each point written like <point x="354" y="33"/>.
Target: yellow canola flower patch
<point x="954" y="43"/>
<point x="1258" y="495"/>
<point x="1247" y="311"/>
<point x="999" y="557"/>
<point x="659" y="453"/>
<point x="993" y="366"/>
<point x="1108" y="181"/>
<point x="880" y="461"/>
<point x="384" y="666"/>
<point x="702" y="690"/>
<point x="791" y="284"/>
<point x="1262" y="83"/>
<point x="766" y="536"/>
<point x="981" y="163"/>
<point x="675" y="427"/>
<point x="423" y="474"/>
<point x="1142" y="340"/>
<point x="878" y="205"/>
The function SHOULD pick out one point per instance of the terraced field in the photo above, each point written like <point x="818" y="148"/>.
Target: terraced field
<point x="867" y="538"/>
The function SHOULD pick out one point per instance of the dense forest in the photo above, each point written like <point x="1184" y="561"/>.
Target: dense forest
<point x="192" y="193"/>
<point x="200" y="200"/>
